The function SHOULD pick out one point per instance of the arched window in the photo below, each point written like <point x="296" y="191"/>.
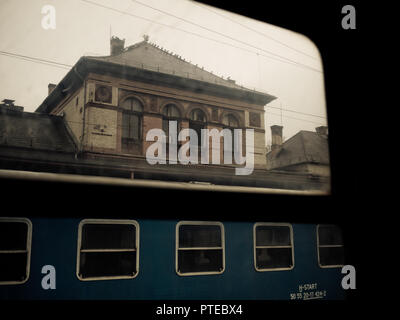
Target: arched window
<point x="132" y="110"/>
<point x="230" y="122"/>
<point x="197" y="120"/>
<point x="132" y="104"/>
<point x="170" y="113"/>
<point x="197" y="115"/>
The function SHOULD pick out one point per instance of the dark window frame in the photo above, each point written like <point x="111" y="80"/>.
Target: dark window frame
<point x="197" y="126"/>
<point x="102" y="222"/>
<point x="231" y="129"/>
<point x="130" y="114"/>
<point x="127" y="114"/>
<point x="165" y="125"/>
<point x="272" y="224"/>
<point x="28" y="249"/>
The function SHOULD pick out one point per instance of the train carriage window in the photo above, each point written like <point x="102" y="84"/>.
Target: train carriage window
<point x="108" y="249"/>
<point x="15" y="250"/>
<point x="330" y="246"/>
<point x="273" y="246"/>
<point x="200" y="248"/>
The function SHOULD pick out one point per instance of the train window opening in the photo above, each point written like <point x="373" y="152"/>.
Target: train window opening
<point x="15" y="250"/>
<point x="330" y="246"/>
<point x="108" y="249"/>
<point x="132" y="91"/>
<point x="273" y="247"/>
<point x="200" y="248"/>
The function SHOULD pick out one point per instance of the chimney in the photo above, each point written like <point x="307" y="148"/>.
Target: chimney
<point x="116" y="45"/>
<point x="8" y="104"/>
<point x="322" y="131"/>
<point x="276" y="132"/>
<point x="51" y="87"/>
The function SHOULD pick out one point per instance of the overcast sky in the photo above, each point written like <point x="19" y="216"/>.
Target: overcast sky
<point x="257" y="55"/>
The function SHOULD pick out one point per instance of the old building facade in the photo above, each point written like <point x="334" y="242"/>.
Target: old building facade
<point x="123" y="96"/>
<point x="96" y="119"/>
<point x="306" y="151"/>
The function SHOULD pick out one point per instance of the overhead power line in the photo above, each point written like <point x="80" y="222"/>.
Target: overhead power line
<point x="221" y="34"/>
<point x="36" y="60"/>
<point x="66" y="66"/>
<point x="199" y="35"/>
<point x="303" y="113"/>
<point x="294" y="118"/>
<point x="254" y="30"/>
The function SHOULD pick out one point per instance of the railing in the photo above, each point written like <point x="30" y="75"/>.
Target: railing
<point x="189" y="75"/>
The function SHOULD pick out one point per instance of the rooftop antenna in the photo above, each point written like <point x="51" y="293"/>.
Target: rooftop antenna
<point x="281" y="113"/>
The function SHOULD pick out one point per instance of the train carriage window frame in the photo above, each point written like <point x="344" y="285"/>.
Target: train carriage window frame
<point x="327" y="246"/>
<point x="27" y="250"/>
<point x="178" y="248"/>
<point x="107" y="222"/>
<point x="255" y="246"/>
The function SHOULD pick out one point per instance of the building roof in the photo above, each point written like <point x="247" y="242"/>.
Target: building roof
<point x="303" y="147"/>
<point x="34" y="131"/>
<point x="149" y="56"/>
<point x="147" y="62"/>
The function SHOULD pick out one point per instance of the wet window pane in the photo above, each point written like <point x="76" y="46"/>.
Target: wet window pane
<point x="199" y="236"/>
<point x="13" y="266"/>
<point x="272" y="236"/>
<point x="200" y="261"/>
<point x="99" y="264"/>
<point x="13" y="251"/>
<point x="107" y="100"/>
<point x="330" y="250"/>
<point x="108" y="250"/>
<point x="207" y="254"/>
<point x="13" y="235"/>
<point x="108" y="236"/>
<point x="330" y="235"/>
<point x="273" y="247"/>
<point x="331" y="256"/>
<point x="274" y="258"/>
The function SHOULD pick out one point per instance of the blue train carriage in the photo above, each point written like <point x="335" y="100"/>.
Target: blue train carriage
<point x="160" y="259"/>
